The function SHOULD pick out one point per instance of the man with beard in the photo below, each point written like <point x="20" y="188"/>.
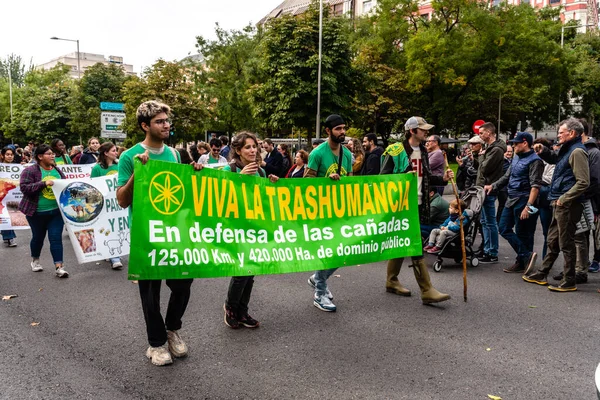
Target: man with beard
<point x="411" y="156"/>
<point x="372" y="163"/>
<point x="329" y="159"/>
<point x="163" y="334"/>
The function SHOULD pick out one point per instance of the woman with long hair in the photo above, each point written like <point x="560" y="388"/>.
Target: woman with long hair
<point x="90" y="155"/>
<point x="359" y="156"/>
<point x="244" y="151"/>
<point x="60" y="152"/>
<point x="41" y="209"/>
<point x="9" y="236"/>
<point x="283" y="149"/>
<point x="297" y="170"/>
<point x="107" y="165"/>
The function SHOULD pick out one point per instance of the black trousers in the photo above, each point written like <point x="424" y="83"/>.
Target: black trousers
<point x="238" y="295"/>
<point x="156" y="327"/>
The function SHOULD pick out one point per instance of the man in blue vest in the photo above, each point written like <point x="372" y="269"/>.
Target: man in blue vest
<point x="570" y="180"/>
<point x="523" y="180"/>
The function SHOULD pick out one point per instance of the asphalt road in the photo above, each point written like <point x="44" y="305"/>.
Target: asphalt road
<point x="511" y="339"/>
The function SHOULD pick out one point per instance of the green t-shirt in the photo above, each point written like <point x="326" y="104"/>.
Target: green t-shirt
<point x="47" y="200"/>
<point x="99" y="171"/>
<point x="64" y="159"/>
<point x="228" y="169"/>
<point x="325" y="162"/>
<point x="126" y="161"/>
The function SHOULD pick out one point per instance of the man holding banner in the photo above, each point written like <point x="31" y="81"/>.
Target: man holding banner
<point x="411" y="156"/>
<point x="329" y="159"/>
<point x="152" y="118"/>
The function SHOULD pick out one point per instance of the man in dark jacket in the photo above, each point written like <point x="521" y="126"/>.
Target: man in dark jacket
<point x="273" y="162"/>
<point x="401" y="158"/>
<point x="570" y="181"/>
<point x="372" y="163"/>
<point x="490" y="170"/>
<point x="522" y="180"/>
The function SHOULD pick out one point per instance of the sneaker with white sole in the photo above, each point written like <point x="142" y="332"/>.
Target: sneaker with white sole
<point x="324" y="304"/>
<point x="116" y="265"/>
<point x="313" y="284"/>
<point x="61" y="273"/>
<point x="36" y="266"/>
<point x="177" y="346"/>
<point x="11" y="243"/>
<point x="159" y="355"/>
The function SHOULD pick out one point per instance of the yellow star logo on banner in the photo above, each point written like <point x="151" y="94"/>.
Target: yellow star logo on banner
<point x="166" y="193"/>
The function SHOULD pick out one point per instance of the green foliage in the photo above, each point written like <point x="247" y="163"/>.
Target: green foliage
<point x="99" y="83"/>
<point x="355" y="133"/>
<point x="172" y="83"/>
<point x="225" y="77"/>
<point x="585" y="52"/>
<point x="284" y="90"/>
<point x="42" y="107"/>
<point x="14" y="64"/>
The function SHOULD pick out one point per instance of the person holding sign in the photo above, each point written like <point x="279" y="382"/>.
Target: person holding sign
<point x="244" y="154"/>
<point x="9" y="235"/>
<point x="163" y="334"/>
<point x="107" y="165"/>
<point x="411" y="156"/>
<point x="329" y="159"/>
<point x="41" y="209"/>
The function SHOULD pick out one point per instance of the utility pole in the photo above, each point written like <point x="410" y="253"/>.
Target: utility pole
<point x="318" y="125"/>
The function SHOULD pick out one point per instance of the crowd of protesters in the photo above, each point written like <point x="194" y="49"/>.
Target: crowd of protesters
<point x="522" y="179"/>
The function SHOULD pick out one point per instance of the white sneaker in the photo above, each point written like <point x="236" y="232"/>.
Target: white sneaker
<point x="117" y="265"/>
<point x="159" y="355"/>
<point x="36" y="266"/>
<point x="11" y="243"/>
<point x="313" y="284"/>
<point x="323" y="303"/>
<point x="61" y="273"/>
<point x="177" y="346"/>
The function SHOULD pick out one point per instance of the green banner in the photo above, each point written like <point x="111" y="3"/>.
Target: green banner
<point x="210" y="223"/>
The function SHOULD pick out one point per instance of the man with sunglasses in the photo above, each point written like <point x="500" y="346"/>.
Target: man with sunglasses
<point x="570" y="180"/>
<point x="214" y="156"/>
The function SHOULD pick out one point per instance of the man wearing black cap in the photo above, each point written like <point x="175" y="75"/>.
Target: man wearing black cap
<point x="523" y="180"/>
<point x="329" y="159"/>
<point x="401" y="158"/>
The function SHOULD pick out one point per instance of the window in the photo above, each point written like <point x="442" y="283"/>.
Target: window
<point x="338" y="9"/>
<point x="425" y="17"/>
<point x="554" y="1"/>
<point x="368" y="4"/>
<point x="525" y="1"/>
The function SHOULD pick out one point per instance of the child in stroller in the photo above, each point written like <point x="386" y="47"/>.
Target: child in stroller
<point x="449" y="229"/>
<point x="452" y="248"/>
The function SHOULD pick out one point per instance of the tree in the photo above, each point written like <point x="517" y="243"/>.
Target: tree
<point x="585" y="54"/>
<point x="284" y="90"/>
<point x="225" y="77"/>
<point x="17" y="68"/>
<point x="173" y="84"/>
<point x="42" y="107"/>
<point x="100" y="83"/>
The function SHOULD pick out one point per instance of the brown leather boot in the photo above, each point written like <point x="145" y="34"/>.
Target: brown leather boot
<point x="392" y="285"/>
<point x="429" y="294"/>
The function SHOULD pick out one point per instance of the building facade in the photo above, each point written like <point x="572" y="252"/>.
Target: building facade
<point x="86" y="60"/>
<point x="584" y="11"/>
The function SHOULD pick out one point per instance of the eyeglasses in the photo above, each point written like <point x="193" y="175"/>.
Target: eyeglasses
<point x="215" y="148"/>
<point x="162" y="121"/>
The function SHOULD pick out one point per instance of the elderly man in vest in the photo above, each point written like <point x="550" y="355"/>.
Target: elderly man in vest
<point x="570" y="180"/>
<point x="523" y="180"/>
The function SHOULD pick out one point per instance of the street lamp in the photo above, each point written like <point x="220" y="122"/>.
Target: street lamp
<point x="72" y="40"/>
<point x="319" y="70"/>
<point x="562" y="44"/>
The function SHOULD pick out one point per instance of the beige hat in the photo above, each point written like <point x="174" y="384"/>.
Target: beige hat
<point x="476" y="140"/>
<point x="417" y="122"/>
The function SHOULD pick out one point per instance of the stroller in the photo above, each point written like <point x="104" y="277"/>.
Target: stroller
<point x="474" y="197"/>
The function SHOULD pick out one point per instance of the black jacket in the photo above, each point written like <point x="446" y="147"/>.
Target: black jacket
<point x="274" y="161"/>
<point x="372" y="163"/>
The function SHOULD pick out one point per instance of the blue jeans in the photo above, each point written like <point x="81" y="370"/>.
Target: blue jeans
<point x="115" y="259"/>
<point x="521" y="239"/>
<point x="489" y="226"/>
<point x="426" y="230"/>
<point x="321" y="281"/>
<point x="51" y="222"/>
<point x="7" y="235"/>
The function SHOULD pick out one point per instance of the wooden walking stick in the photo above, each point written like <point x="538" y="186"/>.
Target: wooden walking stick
<point x="462" y="232"/>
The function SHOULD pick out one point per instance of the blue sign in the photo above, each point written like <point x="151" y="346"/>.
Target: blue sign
<point x="112" y="106"/>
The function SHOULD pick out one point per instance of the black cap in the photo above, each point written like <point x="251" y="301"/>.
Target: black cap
<point x="334" y="120"/>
